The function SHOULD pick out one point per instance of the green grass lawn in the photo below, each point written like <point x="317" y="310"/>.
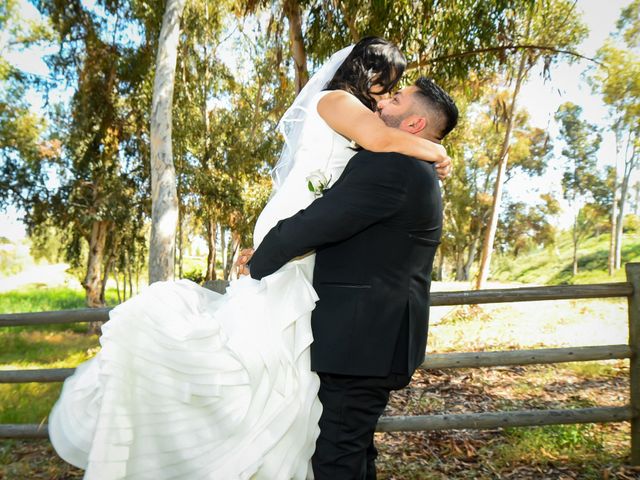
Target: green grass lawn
<point x="553" y="266"/>
<point x="36" y="298"/>
<point x="41" y="346"/>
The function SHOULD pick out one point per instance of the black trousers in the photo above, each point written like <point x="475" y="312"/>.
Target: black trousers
<point x="351" y="408"/>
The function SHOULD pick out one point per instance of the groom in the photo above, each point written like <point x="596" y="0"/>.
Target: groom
<point x="375" y="233"/>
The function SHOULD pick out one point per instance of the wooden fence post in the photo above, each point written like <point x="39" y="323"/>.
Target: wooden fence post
<point x="633" y="277"/>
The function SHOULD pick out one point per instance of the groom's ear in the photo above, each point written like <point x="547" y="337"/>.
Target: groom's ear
<point x="415" y="124"/>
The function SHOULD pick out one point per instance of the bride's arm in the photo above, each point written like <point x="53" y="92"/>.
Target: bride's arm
<point x="351" y="119"/>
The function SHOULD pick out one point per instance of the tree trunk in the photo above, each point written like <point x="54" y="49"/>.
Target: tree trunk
<point x="92" y="282"/>
<point x="629" y="165"/>
<point x="459" y="265"/>
<point x="180" y="241"/>
<point x="473" y="250"/>
<point x="440" y="269"/>
<point x="115" y="276"/>
<point x="107" y="271"/>
<point x="294" y="16"/>
<point x="124" y="286"/>
<point x="232" y="253"/>
<point x="490" y="234"/>
<point x="223" y="249"/>
<point x="613" y="242"/>
<point x="575" y="245"/>
<point x="130" y="279"/>
<point x="164" y="197"/>
<point x="212" y="230"/>
<point x="611" y="262"/>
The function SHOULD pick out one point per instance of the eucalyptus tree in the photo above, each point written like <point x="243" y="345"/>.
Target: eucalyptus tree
<point x="22" y="142"/>
<point x="580" y="179"/>
<point x="442" y="39"/>
<point x="468" y="193"/>
<point x="617" y="79"/>
<point x="528" y="226"/>
<point x="164" y="196"/>
<point x="293" y="11"/>
<point x="556" y="25"/>
<point x="99" y="199"/>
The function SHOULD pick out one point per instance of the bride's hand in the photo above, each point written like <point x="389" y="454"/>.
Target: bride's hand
<point x="241" y="264"/>
<point x="434" y="152"/>
<point x="444" y="168"/>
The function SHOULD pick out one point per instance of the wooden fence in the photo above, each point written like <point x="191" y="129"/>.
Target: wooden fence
<point x="629" y="412"/>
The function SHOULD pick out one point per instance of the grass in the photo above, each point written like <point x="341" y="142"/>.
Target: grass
<point x="40" y="298"/>
<point x="31" y="402"/>
<point x="572" y="443"/>
<point x="553" y="266"/>
<point x="41" y="346"/>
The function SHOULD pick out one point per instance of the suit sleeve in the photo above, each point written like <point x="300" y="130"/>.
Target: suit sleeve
<point x="372" y="188"/>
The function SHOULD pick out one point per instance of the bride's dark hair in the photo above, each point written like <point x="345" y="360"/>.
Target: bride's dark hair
<point x="373" y="61"/>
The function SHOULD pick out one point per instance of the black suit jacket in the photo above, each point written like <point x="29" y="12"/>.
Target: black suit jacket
<point x="375" y="233"/>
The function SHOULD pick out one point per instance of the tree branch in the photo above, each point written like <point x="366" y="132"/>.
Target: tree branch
<point x="426" y="61"/>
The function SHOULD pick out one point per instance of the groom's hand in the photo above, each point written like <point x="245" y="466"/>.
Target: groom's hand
<point x="243" y="258"/>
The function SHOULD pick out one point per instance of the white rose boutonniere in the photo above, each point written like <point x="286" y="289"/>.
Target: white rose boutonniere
<point x="317" y="182"/>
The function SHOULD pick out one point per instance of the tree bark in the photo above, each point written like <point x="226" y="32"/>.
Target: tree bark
<point x="440" y="269"/>
<point x="164" y="197"/>
<point x="294" y="16"/>
<point x="92" y="282"/>
<point x="611" y="262"/>
<point x="107" y="271"/>
<point x="180" y="258"/>
<point x="130" y="278"/>
<point x="459" y="264"/>
<point x="212" y="230"/>
<point x="629" y="165"/>
<point x="575" y="245"/>
<point x="115" y="276"/>
<point x="232" y="253"/>
<point x="223" y="249"/>
<point x="473" y="250"/>
<point x="490" y="234"/>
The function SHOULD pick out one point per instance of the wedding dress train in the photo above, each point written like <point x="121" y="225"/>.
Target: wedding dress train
<point x="191" y="384"/>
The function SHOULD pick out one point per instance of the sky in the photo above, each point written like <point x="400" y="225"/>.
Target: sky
<point x="568" y="83"/>
<point x="540" y="98"/>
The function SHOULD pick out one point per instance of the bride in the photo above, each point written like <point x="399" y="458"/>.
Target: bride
<point x="191" y="384"/>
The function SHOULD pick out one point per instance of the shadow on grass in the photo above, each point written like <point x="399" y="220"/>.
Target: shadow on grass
<point x="27" y="402"/>
<point x="44" y="348"/>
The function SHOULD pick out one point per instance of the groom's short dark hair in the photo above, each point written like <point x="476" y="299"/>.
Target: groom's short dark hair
<point x="439" y="103"/>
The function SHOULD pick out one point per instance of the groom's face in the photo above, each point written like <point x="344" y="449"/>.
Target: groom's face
<point x="394" y="111"/>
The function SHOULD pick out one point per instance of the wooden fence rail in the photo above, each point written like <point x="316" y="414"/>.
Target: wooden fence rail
<point x="438" y="299"/>
<point x="630" y="412"/>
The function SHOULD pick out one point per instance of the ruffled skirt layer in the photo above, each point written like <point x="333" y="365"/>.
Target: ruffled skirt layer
<point x="191" y="384"/>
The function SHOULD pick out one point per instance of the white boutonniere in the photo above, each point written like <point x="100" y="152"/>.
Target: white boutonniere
<point x="317" y="182"/>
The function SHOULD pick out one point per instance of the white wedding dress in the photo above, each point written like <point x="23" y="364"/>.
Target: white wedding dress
<point x="190" y="384"/>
